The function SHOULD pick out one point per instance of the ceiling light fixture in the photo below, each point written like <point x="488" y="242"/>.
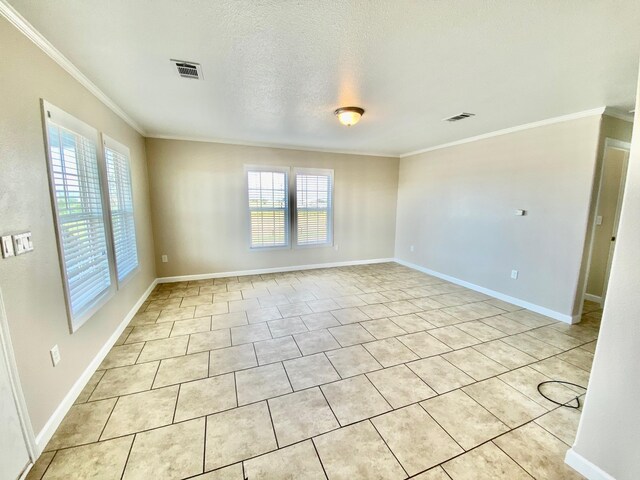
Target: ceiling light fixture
<point x="349" y="115"/>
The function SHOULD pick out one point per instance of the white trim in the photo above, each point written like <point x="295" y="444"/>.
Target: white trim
<point x="6" y="349"/>
<point x="261" y="271"/>
<point x="620" y="115"/>
<point x="592" y="298"/>
<point x="585" y="467"/>
<point x="18" y="21"/>
<point x="67" y="402"/>
<point x="526" y="126"/>
<point x="563" y="317"/>
<point x="242" y="143"/>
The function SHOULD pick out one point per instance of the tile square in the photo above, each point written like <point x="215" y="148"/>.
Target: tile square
<point x="294" y="309"/>
<point x="352" y="361"/>
<point x="453" y="337"/>
<point x="403" y="307"/>
<point x="526" y="381"/>
<point x="562" y="423"/>
<point x="349" y="301"/>
<point x="125" y="380"/>
<point x="504" y="324"/>
<point x="440" y="374"/>
<point x="145" y="333"/>
<point x="164" y="348"/>
<point x="231" y="359"/>
<point x="172" y="452"/>
<point x="439" y="318"/>
<point x="486" y="462"/>
<point x="238" y="434"/>
<point x="211" y="309"/>
<point x="286" y="326"/>
<point x="144" y="318"/>
<point x="82" y="424"/>
<point x="141" y="411"/>
<point x="197" y="300"/>
<point x="263" y="314"/>
<point x="531" y="346"/>
<point x="205" y="341"/>
<point x="250" y="333"/>
<point x="195" y="325"/>
<point x="400" y="386"/>
<point x="474" y="364"/>
<point x="464" y="419"/>
<point x="504" y="354"/>
<point x="317" y="321"/>
<point x="315" y="341"/>
<point x="244" y="305"/>
<point x="348" y="335"/>
<point x="423" y="344"/>
<point x="301" y="415"/>
<point x="276" y="350"/>
<point x="309" y="371"/>
<point x="383" y="328"/>
<point x="182" y="369"/>
<point x="480" y="330"/>
<point x="389" y="352"/>
<point x="357" y="451"/>
<point x="103" y="460"/>
<point x="207" y="396"/>
<point x="416" y="440"/>
<point x="538" y="452"/>
<point x="324" y="305"/>
<point x="354" y="399"/>
<point x="556" y="368"/>
<point x="350" y="315"/>
<point x="121" y="356"/>
<point x="296" y="461"/>
<point x="411" y="323"/>
<point x="260" y="383"/>
<point x="227" y="320"/>
<point x="377" y="311"/>
<point x="508" y="404"/>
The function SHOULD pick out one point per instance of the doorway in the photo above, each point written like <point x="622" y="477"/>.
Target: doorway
<point x="17" y="448"/>
<point x="613" y="175"/>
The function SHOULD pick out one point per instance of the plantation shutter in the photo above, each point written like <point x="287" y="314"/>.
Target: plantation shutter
<point x="314" y="206"/>
<point x="77" y="197"/>
<point x="121" y="207"/>
<point x="268" y="192"/>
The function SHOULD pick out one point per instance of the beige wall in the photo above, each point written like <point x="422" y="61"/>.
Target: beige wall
<point x="457" y="207"/>
<point x="616" y="129"/>
<point x="31" y="284"/>
<point x="199" y="207"/>
<point x="609" y="433"/>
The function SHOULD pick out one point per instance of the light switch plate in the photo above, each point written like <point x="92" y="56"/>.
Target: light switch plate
<point x="55" y="355"/>
<point x="22" y="243"/>
<point x="514" y="274"/>
<point x="599" y="220"/>
<point x="7" y="246"/>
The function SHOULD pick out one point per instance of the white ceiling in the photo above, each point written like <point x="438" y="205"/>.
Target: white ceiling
<point x="274" y="70"/>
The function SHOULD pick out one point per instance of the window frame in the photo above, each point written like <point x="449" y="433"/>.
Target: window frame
<point x="51" y="113"/>
<point x="111" y="144"/>
<point x="287" y="216"/>
<point x="294" y="220"/>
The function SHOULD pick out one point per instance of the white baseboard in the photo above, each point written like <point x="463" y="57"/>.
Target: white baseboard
<point x="563" y="317"/>
<point x="261" y="271"/>
<point x="54" y="421"/>
<point x="592" y="298"/>
<point x="585" y="467"/>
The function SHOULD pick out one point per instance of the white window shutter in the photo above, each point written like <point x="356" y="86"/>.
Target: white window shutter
<point x="121" y="207"/>
<point x="268" y="195"/>
<point x="314" y="207"/>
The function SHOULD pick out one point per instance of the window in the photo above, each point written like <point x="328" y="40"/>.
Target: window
<point x="123" y="227"/>
<point x="268" y="190"/>
<point x="75" y="182"/>
<point x="314" y="210"/>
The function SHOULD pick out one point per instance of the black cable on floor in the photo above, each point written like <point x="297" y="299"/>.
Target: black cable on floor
<point x="566" y="404"/>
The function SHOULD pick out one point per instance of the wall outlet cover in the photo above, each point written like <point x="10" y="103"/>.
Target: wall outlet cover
<point x="165" y="258"/>
<point x="55" y="355"/>
<point x="514" y="274"/>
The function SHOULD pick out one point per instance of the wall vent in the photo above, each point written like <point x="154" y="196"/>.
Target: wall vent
<point x="188" y="69"/>
<point x="458" y="117"/>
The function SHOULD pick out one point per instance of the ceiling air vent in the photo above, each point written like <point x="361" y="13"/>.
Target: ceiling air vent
<point x="188" y="69"/>
<point x="460" y="116"/>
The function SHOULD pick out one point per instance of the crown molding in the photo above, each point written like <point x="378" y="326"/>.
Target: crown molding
<point x="526" y="126"/>
<point x="28" y="30"/>
<point x="267" y="145"/>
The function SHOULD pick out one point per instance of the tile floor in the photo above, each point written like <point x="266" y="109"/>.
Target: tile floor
<point x="373" y="372"/>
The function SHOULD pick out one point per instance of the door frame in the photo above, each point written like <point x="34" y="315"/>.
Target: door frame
<point x="620" y="145"/>
<point x="6" y="349"/>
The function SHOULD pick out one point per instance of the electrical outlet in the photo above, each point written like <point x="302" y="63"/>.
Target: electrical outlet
<point x="412" y="248"/>
<point x="165" y="258"/>
<point x="514" y="274"/>
<point x="55" y="355"/>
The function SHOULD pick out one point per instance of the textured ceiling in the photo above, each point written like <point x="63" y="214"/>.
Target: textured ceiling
<point x="274" y="71"/>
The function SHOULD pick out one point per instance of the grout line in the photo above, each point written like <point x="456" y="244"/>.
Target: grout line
<point x="387" y="445"/>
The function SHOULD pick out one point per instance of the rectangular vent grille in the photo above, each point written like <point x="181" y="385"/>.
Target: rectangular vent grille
<point x="460" y="116"/>
<point x="188" y="69"/>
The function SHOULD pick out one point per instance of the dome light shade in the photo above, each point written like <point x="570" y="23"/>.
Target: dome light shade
<point x="349" y="115"/>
